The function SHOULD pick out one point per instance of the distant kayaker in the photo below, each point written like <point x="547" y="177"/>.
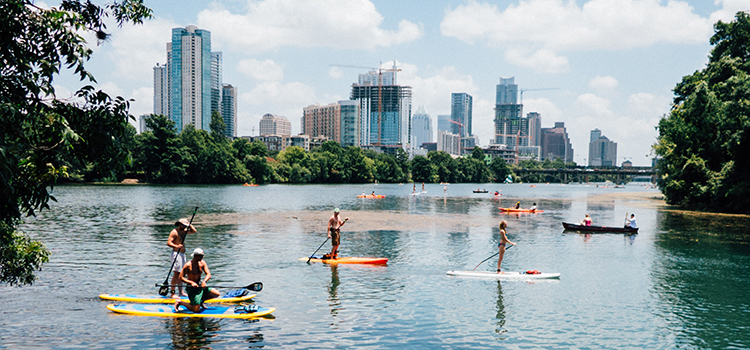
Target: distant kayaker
<point x="334" y="233"/>
<point x="631" y="222"/>
<point x="533" y="207"/>
<point x="587" y="221"/>
<point x="501" y="246"/>
<point x="197" y="290"/>
<point x="518" y="205"/>
<point x="373" y="193"/>
<point x="176" y="241"/>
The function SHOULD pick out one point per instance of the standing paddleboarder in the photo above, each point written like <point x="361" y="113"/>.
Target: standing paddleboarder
<point x="501" y="246"/>
<point x="334" y="233"/>
<point x="176" y="241"/>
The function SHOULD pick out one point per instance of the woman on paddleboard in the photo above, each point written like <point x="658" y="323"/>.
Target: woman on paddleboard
<point x="501" y="246"/>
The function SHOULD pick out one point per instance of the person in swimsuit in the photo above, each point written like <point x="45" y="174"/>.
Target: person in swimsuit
<point x="518" y="205"/>
<point x="196" y="289"/>
<point x="587" y="221"/>
<point x="334" y="233"/>
<point x="176" y="241"/>
<point x="501" y="246"/>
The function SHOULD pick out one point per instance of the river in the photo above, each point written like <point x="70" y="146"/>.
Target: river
<point x="682" y="282"/>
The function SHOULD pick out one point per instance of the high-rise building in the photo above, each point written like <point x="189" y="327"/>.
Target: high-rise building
<point x="602" y="151"/>
<point x="449" y="142"/>
<point x="556" y="144"/>
<point x="421" y="126"/>
<point x="510" y="128"/>
<point x="384" y="107"/>
<point x="444" y="122"/>
<point x="535" y="128"/>
<point x="229" y="109"/>
<point x="189" y="65"/>
<point x="275" y="125"/>
<point x="161" y="90"/>
<point x="216" y="81"/>
<point x="461" y="105"/>
<point x="336" y="121"/>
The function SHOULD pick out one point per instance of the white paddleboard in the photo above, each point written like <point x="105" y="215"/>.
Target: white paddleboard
<point x="504" y="275"/>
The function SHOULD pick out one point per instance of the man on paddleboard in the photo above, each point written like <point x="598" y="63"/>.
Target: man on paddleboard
<point x="176" y="241"/>
<point x="196" y="289"/>
<point x="334" y="233"/>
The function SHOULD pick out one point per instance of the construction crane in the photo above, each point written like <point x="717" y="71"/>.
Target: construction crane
<point x="380" y="87"/>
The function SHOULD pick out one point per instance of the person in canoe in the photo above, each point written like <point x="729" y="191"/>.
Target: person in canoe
<point x="501" y="246"/>
<point x="334" y="233"/>
<point x="533" y="207"/>
<point x="587" y="221"/>
<point x="176" y="241"/>
<point x="197" y="290"/>
<point x="518" y="205"/>
<point x="631" y="222"/>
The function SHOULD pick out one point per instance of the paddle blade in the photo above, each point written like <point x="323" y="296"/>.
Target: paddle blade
<point x="163" y="290"/>
<point x="255" y="287"/>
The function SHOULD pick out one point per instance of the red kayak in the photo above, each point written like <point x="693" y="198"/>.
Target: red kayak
<point x="514" y="210"/>
<point x="349" y="260"/>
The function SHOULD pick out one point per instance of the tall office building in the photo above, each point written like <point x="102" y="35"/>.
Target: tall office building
<point x="444" y="122"/>
<point x="461" y="105"/>
<point x="216" y="83"/>
<point x="161" y="90"/>
<point x="510" y="128"/>
<point x="449" y="142"/>
<point x="602" y="151"/>
<point x="421" y="126"/>
<point x="535" y="128"/>
<point x="189" y="65"/>
<point x="384" y="107"/>
<point x="229" y="109"/>
<point x="336" y="121"/>
<point x="275" y="125"/>
<point x="555" y="143"/>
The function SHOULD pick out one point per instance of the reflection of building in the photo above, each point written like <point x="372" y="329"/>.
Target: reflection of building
<point x="275" y="125"/>
<point x="229" y="109"/>
<point x="421" y="126"/>
<point x="449" y="142"/>
<point x="556" y="144"/>
<point x="336" y="121"/>
<point x="602" y="151"/>
<point x="385" y="109"/>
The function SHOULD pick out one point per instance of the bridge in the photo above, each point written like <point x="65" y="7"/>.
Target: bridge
<point x="581" y="174"/>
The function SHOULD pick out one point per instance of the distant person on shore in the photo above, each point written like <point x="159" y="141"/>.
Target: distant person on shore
<point x="631" y="222"/>
<point x="587" y="221"/>
<point x="533" y="207"/>
<point x="423" y="187"/>
<point x="334" y="233"/>
<point x="197" y="290"/>
<point x="414" y="189"/>
<point x="176" y="241"/>
<point x="501" y="246"/>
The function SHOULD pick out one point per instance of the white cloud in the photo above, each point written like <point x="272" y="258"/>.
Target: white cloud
<point x="335" y="73"/>
<point x="592" y="105"/>
<point x="136" y="49"/>
<point x="143" y="101"/>
<point x="603" y="83"/>
<point x="271" y="24"/>
<point x="648" y="106"/>
<point x="541" y="61"/>
<point x="266" y="70"/>
<point x="729" y="9"/>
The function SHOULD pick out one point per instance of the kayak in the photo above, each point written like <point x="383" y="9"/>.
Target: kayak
<point x="504" y="275"/>
<point x="575" y="227"/>
<point x="218" y="311"/>
<point x="250" y="185"/>
<point x="371" y="196"/>
<point x="348" y="260"/>
<point x="158" y="299"/>
<point x="514" y="210"/>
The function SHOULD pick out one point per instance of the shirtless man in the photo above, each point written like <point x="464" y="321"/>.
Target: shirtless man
<point x="176" y="241"/>
<point x="196" y="289"/>
<point x="334" y="233"/>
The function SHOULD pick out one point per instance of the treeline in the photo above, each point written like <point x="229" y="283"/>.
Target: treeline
<point x="161" y="155"/>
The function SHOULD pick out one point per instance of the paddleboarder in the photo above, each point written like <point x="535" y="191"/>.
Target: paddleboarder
<point x="197" y="291"/>
<point x="501" y="246"/>
<point x="334" y="233"/>
<point x="176" y="241"/>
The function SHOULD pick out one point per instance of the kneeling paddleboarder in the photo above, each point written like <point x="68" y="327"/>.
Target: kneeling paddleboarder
<point x="197" y="291"/>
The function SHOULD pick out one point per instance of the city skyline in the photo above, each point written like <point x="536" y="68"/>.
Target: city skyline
<point x="611" y="70"/>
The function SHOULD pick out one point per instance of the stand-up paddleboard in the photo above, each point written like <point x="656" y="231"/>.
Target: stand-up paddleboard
<point x="158" y="299"/>
<point x="168" y="311"/>
<point x="348" y="260"/>
<point x="504" y="275"/>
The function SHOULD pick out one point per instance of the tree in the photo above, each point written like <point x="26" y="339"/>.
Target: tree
<point x="422" y="170"/>
<point x="703" y="143"/>
<point x="477" y="153"/>
<point x="160" y="153"/>
<point x="41" y="133"/>
<point x="217" y="127"/>
<point x="499" y="169"/>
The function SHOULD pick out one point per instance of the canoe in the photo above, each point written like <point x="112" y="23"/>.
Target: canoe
<point x="158" y="299"/>
<point x="217" y="311"/>
<point x="521" y="210"/>
<point x="575" y="227"/>
<point x="475" y="191"/>
<point x="348" y="260"/>
<point x="371" y="196"/>
<point x="504" y="275"/>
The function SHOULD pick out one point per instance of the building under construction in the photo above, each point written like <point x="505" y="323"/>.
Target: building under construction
<point x="385" y="109"/>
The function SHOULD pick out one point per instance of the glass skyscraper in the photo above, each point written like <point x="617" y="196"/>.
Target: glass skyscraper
<point x="189" y="64"/>
<point x="461" y="105"/>
<point x="385" y="109"/>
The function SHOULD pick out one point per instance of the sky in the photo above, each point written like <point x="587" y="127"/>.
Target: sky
<point x="599" y="64"/>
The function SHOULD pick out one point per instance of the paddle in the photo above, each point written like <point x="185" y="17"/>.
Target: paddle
<point x="324" y="242"/>
<point x="493" y="255"/>
<point x="626" y="219"/>
<point x="164" y="290"/>
<point x="255" y="287"/>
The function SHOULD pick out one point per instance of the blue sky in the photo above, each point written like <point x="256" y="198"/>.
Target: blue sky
<point x="612" y="63"/>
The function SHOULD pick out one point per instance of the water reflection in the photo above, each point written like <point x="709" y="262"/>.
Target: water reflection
<point x="500" y="316"/>
<point x="192" y="333"/>
<point x="333" y="298"/>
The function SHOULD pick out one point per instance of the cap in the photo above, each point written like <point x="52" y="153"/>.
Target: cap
<point x="336" y="210"/>
<point x="183" y="222"/>
<point x="197" y="251"/>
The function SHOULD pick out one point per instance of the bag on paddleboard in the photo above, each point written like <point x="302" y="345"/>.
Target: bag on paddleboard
<point x="533" y="272"/>
<point x="235" y="293"/>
